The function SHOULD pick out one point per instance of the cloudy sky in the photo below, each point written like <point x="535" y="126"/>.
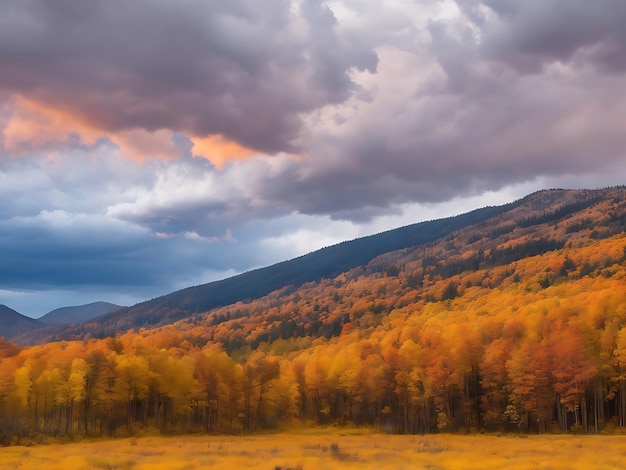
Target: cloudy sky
<point x="149" y="145"/>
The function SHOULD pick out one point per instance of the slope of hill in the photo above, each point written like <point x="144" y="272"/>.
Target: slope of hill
<point x="514" y="323"/>
<point x="77" y="314"/>
<point x="486" y="228"/>
<point x="326" y="262"/>
<point x="12" y="322"/>
<point x="482" y="255"/>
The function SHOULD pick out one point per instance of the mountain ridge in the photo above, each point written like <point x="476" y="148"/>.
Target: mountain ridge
<point x="254" y="284"/>
<point x="77" y="313"/>
<point x="496" y="223"/>
<point x="514" y="323"/>
<point x="13" y="322"/>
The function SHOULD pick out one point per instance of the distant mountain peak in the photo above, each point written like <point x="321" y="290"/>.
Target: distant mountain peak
<point x="78" y="313"/>
<point x="13" y="322"/>
<point x="542" y="221"/>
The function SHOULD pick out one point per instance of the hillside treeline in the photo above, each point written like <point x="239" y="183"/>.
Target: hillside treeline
<point x="324" y="263"/>
<point x="536" y="345"/>
<point x="578" y="210"/>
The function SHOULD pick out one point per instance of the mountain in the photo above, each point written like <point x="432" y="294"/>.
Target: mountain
<point x="547" y="239"/>
<point x="513" y="322"/>
<point x="497" y="235"/>
<point x="77" y="314"/>
<point x="12" y="322"/>
<point x="323" y="263"/>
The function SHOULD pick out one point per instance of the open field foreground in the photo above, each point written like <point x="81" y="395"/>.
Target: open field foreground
<point x="329" y="451"/>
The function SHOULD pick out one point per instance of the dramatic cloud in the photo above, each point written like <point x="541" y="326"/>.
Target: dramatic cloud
<point x="503" y="95"/>
<point x="243" y="70"/>
<point x="150" y="145"/>
<point x="527" y="35"/>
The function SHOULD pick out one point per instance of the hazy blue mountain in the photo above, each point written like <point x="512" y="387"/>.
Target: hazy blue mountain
<point x="489" y="226"/>
<point x="12" y="322"/>
<point x="323" y="263"/>
<point x="77" y="314"/>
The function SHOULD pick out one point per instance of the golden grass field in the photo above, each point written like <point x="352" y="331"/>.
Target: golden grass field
<point x="326" y="449"/>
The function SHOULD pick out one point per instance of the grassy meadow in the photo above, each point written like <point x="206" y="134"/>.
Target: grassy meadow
<point x="328" y="449"/>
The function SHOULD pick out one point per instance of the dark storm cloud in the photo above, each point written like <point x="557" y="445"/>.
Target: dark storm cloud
<point x="43" y="254"/>
<point x="513" y="92"/>
<point x="242" y="69"/>
<point x="55" y="233"/>
<point x="513" y="134"/>
<point x="527" y="34"/>
<point x="57" y="250"/>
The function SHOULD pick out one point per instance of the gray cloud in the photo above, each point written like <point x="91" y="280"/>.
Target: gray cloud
<point x="55" y="232"/>
<point x="532" y="33"/>
<point x="61" y="250"/>
<point x="243" y="69"/>
<point x="509" y="93"/>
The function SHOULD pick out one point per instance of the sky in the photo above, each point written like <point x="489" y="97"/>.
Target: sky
<point x="150" y="145"/>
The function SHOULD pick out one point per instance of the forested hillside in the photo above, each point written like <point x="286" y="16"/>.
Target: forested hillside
<point x="514" y="323"/>
<point x="323" y="263"/>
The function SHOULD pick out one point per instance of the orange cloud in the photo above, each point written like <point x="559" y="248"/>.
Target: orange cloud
<point x="33" y="126"/>
<point x="141" y="144"/>
<point x="36" y="127"/>
<point x="219" y="150"/>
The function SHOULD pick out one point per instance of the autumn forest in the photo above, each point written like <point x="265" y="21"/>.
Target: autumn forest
<point x="513" y="324"/>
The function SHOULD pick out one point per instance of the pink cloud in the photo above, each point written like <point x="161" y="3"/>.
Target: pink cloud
<point x="220" y="150"/>
<point x="32" y="126"/>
